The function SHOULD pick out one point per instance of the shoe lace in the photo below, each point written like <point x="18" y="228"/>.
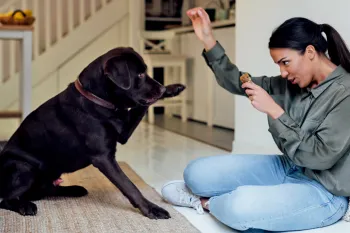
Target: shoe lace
<point x="187" y="198"/>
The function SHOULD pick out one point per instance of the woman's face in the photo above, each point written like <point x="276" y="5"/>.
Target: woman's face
<point x="294" y="66"/>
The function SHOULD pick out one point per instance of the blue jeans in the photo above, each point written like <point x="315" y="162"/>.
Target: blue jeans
<point x="267" y="192"/>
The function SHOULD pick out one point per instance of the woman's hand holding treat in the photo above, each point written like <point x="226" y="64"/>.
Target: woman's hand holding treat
<point x="260" y="99"/>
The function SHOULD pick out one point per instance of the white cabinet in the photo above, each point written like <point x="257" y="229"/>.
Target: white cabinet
<point x="223" y="102"/>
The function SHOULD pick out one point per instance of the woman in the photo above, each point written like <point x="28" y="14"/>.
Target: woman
<point x="308" y="108"/>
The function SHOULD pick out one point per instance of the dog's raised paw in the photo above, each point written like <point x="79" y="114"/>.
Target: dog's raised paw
<point x="173" y="90"/>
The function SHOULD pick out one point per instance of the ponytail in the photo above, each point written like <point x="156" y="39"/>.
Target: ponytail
<point x="337" y="49"/>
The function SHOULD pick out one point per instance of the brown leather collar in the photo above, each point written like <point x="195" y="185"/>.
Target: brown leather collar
<point x="97" y="100"/>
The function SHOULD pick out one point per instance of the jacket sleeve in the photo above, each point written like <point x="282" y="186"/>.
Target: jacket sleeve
<point x="227" y="74"/>
<point x="318" y="150"/>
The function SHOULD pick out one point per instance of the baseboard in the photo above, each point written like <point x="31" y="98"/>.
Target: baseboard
<point x="204" y="123"/>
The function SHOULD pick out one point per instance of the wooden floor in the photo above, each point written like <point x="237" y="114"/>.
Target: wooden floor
<point x="214" y="136"/>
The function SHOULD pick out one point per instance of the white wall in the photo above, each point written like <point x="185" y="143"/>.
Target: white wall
<point x="256" y="20"/>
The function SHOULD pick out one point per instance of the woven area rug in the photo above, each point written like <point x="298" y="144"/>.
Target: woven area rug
<point x="104" y="210"/>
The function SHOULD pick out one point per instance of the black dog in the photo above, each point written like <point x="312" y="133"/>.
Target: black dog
<point x="79" y="127"/>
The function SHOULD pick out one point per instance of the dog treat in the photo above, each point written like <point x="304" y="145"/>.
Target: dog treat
<point x="245" y="78"/>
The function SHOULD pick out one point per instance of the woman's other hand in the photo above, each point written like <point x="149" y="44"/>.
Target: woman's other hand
<point x="202" y="26"/>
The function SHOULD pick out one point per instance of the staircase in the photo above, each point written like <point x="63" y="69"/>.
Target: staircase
<point x="67" y="35"/>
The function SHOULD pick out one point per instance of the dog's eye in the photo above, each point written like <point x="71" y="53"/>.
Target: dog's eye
<point x="142" y="75"/>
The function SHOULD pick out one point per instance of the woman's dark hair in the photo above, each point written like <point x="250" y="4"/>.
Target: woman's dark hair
<point x="297" y="33"/>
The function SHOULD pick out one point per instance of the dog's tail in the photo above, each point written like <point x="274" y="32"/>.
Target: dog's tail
<point x="2" y="145"/>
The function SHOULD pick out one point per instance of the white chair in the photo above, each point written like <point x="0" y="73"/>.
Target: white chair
<point x="157" y="51"/>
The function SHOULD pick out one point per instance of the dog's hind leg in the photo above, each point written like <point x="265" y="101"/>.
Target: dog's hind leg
<point x="42" y="190"/>
<point x="17" y="178"/>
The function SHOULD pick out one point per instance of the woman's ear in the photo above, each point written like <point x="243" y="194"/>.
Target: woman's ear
<point x="310" y="52"/>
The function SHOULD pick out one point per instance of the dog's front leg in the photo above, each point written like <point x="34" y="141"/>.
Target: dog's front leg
<point x="109" y="167"/>
<point x="135" y="116"/>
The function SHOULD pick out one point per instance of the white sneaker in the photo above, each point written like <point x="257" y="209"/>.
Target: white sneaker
<point x="176" y="193"/>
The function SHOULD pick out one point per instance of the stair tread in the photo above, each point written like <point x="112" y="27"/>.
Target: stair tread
<point x="16" y="27"/>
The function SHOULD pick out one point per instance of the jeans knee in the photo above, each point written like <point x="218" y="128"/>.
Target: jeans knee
<point x="236" y="208"/>
<point x="193" y="176"/>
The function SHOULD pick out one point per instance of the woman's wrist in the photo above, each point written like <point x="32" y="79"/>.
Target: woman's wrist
<point x="209" y="43"/>
<point x="276" y="112"/>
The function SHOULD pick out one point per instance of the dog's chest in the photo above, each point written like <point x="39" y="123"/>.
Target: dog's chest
<point x="120" y="120"/>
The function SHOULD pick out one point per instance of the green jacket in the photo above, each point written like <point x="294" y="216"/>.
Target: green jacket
<point x="314" y="131"/>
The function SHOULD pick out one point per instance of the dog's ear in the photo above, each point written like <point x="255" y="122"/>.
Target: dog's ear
<point x="117" y="70"/>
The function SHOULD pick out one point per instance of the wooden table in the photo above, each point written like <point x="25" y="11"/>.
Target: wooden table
<point x="24" y="34"/>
